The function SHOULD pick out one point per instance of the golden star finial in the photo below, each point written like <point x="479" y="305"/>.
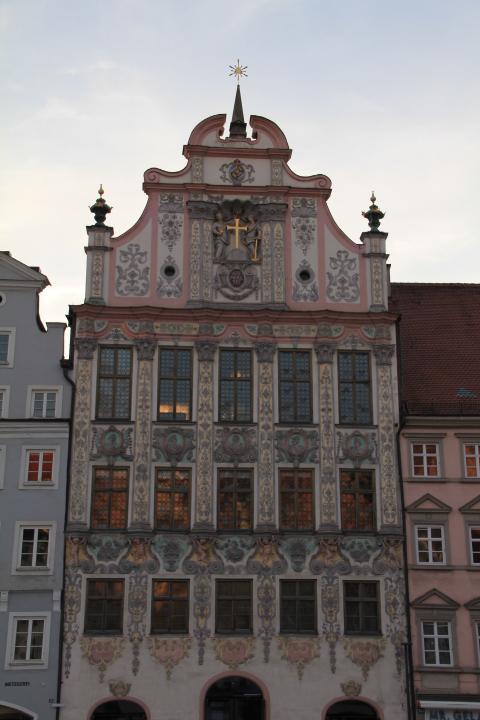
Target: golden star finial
<point x="238" y="71"/>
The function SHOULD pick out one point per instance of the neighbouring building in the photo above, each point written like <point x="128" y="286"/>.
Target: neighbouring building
<point x="35" y="401"/>
<point x="439" y="358"/>
<point x="234" y="535"/>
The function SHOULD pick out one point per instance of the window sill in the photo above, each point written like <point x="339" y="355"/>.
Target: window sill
<point x="363" y="635"/>
<point x="243" y="634"/>
<point x="27" y="665"/>
<point x="102" y="634"/>
<point x="172" y="635"/>
<point x="299" y="633"/>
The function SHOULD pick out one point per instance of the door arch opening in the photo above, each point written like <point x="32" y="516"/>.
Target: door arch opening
<point x="351" y="710"/>
<point x="10" y="713"/>
<point x="118" y="710"/>
<point x="234" y="698"/>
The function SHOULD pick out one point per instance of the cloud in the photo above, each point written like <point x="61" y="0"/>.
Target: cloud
<point x="99" y="66"/>
<point x="57" y="109"/>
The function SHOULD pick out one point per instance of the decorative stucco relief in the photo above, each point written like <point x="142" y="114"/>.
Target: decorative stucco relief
<point x="328" y="488"/>
<point x="376" y="275"/>
<point x="266" y="490"/>
<point x="266" y="262"/>
<point x="171" y="202"/>
<point x="207" y="261"/>
<point x="102" y="652"/>
<point x="386" y="435"/>
<point x="119" y="687"/>
<point x="326" y="330"/>
<point x="357" y="447"/>
<point x="299" y="652"/>
<point x="143" y="415"/>
<point x="195" y="261"/>
<point x="279" y="263"/>
<point x="304" y="207"/>
<point x="237" y="172"/>
<point x="171" y="229"/>
<point x="293" y="331"/>
<point x="297" y="446"/>
<point x="80" y="445"/>
<point x="350" y="688"/>
<point x="197" y="169"/>
<point x="173" y="444"/>
<point x="305" y="287"/>
<point x="305" y="230"/>
<point x="235" y="445"/>
<point x="96" y="282"/>
<point x="169" y="652"/>
<point x="133" y="271"/>
<point x="169" y="283"/>
<point x="137" y="611"/>
<point x="204" y="488"/>
<point x="343" y="281"/>
<point x="111" y="443"/>
<point x="234" y="652"/>
<point x="276" y="172"/>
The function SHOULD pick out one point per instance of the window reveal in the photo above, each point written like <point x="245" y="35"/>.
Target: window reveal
<point x="29" y="640"/>
<point x="34" y="547"/>
<point x="40" y="466"/>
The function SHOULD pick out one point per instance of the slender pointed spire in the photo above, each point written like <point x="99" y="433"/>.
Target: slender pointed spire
<point x="238" y="126"/>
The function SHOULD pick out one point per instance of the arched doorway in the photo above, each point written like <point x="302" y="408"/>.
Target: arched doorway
<point x="234" y="698"/>
<point x="351" y="710"/>
<point x="10" y="713"/>
<point x="118" y="710"/>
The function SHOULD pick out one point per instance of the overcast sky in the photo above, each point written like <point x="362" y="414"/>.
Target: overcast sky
<point x="377" y="95"/>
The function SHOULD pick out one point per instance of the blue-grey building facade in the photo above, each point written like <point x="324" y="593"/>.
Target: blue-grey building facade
<point x="35" y="400"/>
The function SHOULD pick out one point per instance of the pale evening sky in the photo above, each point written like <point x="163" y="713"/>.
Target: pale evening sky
<point x="373" y="93"/>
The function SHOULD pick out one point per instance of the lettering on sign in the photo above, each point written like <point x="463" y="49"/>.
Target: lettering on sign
<point x="453" y="715"/>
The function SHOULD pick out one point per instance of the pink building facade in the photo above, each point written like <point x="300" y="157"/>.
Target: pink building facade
<point x="439" y="378"/>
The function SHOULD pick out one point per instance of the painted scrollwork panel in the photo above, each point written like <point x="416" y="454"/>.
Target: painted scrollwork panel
<point x="169" y="652"/>
<point x="297" y="446"/>
<point x="235" y="445"/>
<point x="299" y="652"/>
<point x="112" y="443"/>
<point x="133" y="271"/>
<point x="173" y="444"/>
<point x="343" y="278"/>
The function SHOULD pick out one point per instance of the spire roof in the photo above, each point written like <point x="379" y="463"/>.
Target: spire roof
<point x="238" y="126"/>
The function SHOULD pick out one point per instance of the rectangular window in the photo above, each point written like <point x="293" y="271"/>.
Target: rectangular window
<point x="425" y="460"/>
<point x="34" y="545"/>
<point x="104" y="607"/>
<point x="354" y="388"/>
<point x="175" y="384"/>
<point x="169" y="607"/>
<point x="472" y="460"/>
<point x="29" y="640"/>
<point x="430" y="545"/>
<point x="296" y="499"/>
<point x="39" y="466"/>
<point x="233" y="607"/>
<point x="235" y="398"/>
<point x="294" y="386"/>
<point x="437" y="643"/>
<point x="475" y="545"/>
<point x="114" y="383"/>
<point x="4" y="340"/>
<point x="298" y="608"/>
<point x="3" y="398"/>
<point x="110" y="499"/>
<point x="362" y="612"/>
<point x="172" y="499"/>
<point x="235" y="499"/>
<point x="7" y="346"/>
<point x="44" y="403"/>
<point x="357" y="489"/>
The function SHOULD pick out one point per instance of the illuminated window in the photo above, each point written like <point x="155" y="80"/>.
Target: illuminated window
<point x="175" y="384"/>
<point x="357" y="488"/>
<point x="114" y="383"/>
<point x="295" y="386"/>
<point x="235" y="497"/>
<point x="437" y="643"/>
<point x="235" y="397"/>
<point x="430" y="545"/>
<point x="169" y="606"/>
<point x="354" y="388"/>
<point x="172" y="499"/>
<point x="425" y="460"/>
<point x="110" y="498"/>
<point x="40" y="466"/>
<point x="472" y="460"/>
<point x="296" y="499"/>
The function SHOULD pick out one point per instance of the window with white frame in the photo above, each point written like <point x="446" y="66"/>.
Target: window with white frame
<point x="7" y="345"/>
<point x="425" y="459"/>
<point x="4" y="397"/>
<point x="3" y="453"/>
<point x="44" y="403"/>
<point x="472" y="459"/>
<point x="430" y="544"/>
<point x="437" y="642"/>
<point x="39" y="468"/>
<point x="34" y="546"/>
<point x="28" y="639"/>
<point x="475" y="545"/>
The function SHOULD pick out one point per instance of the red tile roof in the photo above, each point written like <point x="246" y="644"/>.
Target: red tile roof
<point x="439" y="347"/>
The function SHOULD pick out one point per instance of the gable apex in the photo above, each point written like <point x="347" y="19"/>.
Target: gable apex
<point x="428" y="503"/>
<point x="472" y="506"/>
<point x="15" y="273"/>
<point x="435" y="599"/>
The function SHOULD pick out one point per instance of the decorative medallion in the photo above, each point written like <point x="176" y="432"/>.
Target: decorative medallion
<point x="364" y="653"/>
<point x="235" y="445"/>
<point x="351" y="688"/>
<point x="111" y="443"/>
<point x="169" y="651"/>
<point x="297" y="446"/>
<point x="299" y="651"/>
<point x="357" y="447"/>
<point x="119" y="688"/>
<point x="173" y="444"/>
<point x="102" y="652"/>
<point x="237" y="172"/>
<point x="234" y="652"/>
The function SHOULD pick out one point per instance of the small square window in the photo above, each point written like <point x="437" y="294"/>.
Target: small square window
<point x="425" y="459"/>
<point x="430" y="544"/>
<point x="169" y="607"/>
<point x="437" y="643"/>
<point x="233" y="614"/>
<point x="362" y="608"/>
<point x="298" y="607"/>
<point x="104" y="607"/>
<point x="40" y="466"/>
<point x="44" y="403"/>
<point x="472" y="460"/>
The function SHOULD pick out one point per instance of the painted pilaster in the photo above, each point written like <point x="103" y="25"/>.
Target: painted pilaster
<point x="328" y="485"/>
<point x="77" y="517"/>
<point x="143" y="435"/>
<point x="97" y="249"/>
<point x="204" y="487"/>
<point x="266" y="468"/>
<point x="386" y="437"/>
<point x="375" y="243"/>
<point x="279" y="263"/>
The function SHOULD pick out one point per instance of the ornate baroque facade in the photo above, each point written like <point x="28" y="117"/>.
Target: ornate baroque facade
<point x="234" y="500"/>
